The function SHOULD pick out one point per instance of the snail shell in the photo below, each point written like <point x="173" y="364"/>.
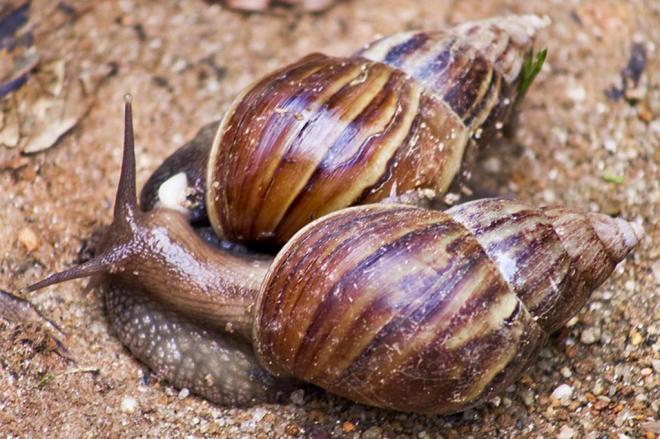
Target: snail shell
<point x="328" y="132"/>
<point x="449" y="306"/>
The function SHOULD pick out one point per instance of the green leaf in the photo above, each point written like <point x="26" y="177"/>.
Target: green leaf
<point x="532" y="65"/>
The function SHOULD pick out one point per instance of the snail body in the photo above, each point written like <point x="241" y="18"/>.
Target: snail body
<point x="403" y="114"/>
<point x="363" y="301"/>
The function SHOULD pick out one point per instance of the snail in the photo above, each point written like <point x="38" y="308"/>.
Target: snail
<point x="362" y="302"/>
<point x="450" y="306"/>
<point x="399" y="116"/>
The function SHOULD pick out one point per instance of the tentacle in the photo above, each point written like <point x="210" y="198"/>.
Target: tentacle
<point x="160" y="252"/>
<point x="126" y="209"/>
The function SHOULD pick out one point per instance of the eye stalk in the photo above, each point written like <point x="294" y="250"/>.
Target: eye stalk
<point x="159" y="251"/>
<point x="112" y="255"/>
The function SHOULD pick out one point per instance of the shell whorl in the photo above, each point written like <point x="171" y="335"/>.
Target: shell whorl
<point x="446" y="305"/>
<point x="291" y="141"/>
<point x="551" y="257"/>
<point x="474" y="68"/>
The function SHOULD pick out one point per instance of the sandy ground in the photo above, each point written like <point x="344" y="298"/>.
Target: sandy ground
<point x="183" y="61"/>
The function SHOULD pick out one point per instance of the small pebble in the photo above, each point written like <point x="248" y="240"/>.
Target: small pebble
<point x="598" y="388"/>
<point x="549" y="196"/>
<point x="128" y="404"/>
<point x="28" y="239"/>
<point x="348" y="427"/>
<point x="651" y="426"/>
<point x="590" y="335"/>
<point x="527" y="397"/>
<point x="576" y="93"/>
<point x="606" y="337"/>
<point x="656" y="271"/>
<point x="183" y="393"/>
<point x="292" y="430"/>
<point x="297" y="396"/>
<point x="258" y="414"/>
<point x="566" y="432"/>
<point x="601" y="403"/>
<point x="563" y="394"/>
<point x="622" y="417"/>
<point x="493" y="165"/>
<point x="656" y="365"/>
<point x="610" y="144"/>
<point x="372" y="433"/>
<point x="565" y="372"/>
<point x="636" y="338"/>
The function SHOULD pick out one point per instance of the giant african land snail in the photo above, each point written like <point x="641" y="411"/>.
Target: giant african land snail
<point x="365" y="300"/>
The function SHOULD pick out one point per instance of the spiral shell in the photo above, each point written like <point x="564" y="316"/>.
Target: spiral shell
<point x="448" y="306"/>
<point x="325" y="133"/>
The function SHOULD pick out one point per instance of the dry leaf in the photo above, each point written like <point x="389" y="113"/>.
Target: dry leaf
<point x="40" y="105"/>
<point x="44" y="109"/>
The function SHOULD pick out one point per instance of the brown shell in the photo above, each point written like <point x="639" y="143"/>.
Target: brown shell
<point x="449" y="306"/>
<point x="325" y="133"/>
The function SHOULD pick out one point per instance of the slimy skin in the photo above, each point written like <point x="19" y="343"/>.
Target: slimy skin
<point x="209" y="363"/>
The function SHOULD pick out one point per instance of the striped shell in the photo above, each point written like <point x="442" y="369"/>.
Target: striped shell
<point x="325" y="133"/>
<point x="449" y="307"/>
